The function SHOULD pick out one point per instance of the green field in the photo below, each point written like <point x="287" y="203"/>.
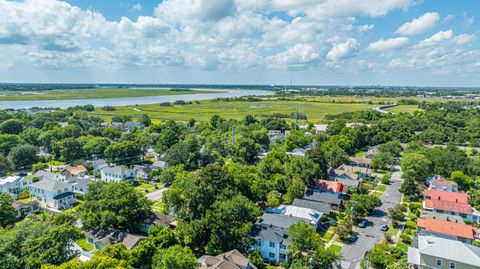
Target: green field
<point x="403" y="108"/>
<point x="94" y="93"/>
<point x="204" y="110"/>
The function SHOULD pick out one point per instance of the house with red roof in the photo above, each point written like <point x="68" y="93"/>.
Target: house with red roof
<point x="323" y="185"/>
<point x="441" y="195"/>
<point x="452" y="203"/>
<point x="461" y="232"/>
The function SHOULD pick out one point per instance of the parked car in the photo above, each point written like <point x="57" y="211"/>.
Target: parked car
<point x="353" y="237"/>
<point x="384" y="227"/>
<point x="362" y="224"/>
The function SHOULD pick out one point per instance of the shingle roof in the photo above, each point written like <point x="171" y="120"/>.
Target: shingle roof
<point x="448" y="228"/>
<point x="361" y="160"/>
<point x="75" y="170"/>
<point x="457" y="197"/>
<point x="228" y="260"/>
<point x="50" y="185"/>
<point x="348" y="182"/>
<point x="119" y="170"/>
<point x="440" y="216"/>
<point x="452" y="250"/>
<point x="443" y="182"/>
<point x="279" y="220"/>
<point x="449" y="206"/>
<point x="328" y="198"/>
<point x="318" y="206"/>
<point x="331" y="186"/>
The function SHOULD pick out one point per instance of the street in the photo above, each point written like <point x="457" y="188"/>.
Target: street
<point x="371" y="234"/>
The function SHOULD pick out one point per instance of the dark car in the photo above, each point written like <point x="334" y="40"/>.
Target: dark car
<point x="384" y="227"/>
<point x="362" y="224"/>
<point x="353" y="238"/>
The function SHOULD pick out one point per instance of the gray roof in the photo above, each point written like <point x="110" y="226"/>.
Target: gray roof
<point x="159" y="164"/>
<point x="348" y="182"/>
<point x="452" y="250"/>
<point x="279" y="220"/>
<point x="440" y="216"/>
<point x="270" y="234"/>
<point x="50" y="185"/>
<point x="318" y="206"/>
<point x="323" y="197"/>
<point x="118" y="170"/>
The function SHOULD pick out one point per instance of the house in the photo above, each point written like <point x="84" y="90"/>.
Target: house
<point x="52" y="194"/>
<point x="271" y="235"/>
<point x="80" y="184"/>
<point x="275" y="135"/>
<point x="116" y="174"/>
<point x="443" y="184"/>
<point x="14" y="185"/>
<point x="363" y="172"/>
<point x="25" y="209"/>
<point x="334" y="174"/>
<point x="228" y="260"/>
<point x="371" y="152"/>
<point x="159" y="165"/>
<point x="465" y="211"/>
<point x="142" y="171"/>
<point x="441" y="195"/>
<point x="159" y="219"/>
<point x="131" y="126"/>
<point x="312" y="217"/>
<point x="462" y="232"/>
<point x="438" y="252"/>
<point x="103" y="237"/>
<point x="74" y="171"/>
<point x="316" y="206"/>
<point x="349" y="183"/>
<point x="329" y="198"/>
<point x="42" y="174"/>
<point x="328" y="186"/>
<point x="424" y="214"/>
<point x="360" y="162"/>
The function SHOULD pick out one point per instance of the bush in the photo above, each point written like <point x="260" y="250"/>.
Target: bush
<point x="166" y="104"/>
<point x="406" y="239"/>
<point x="109" y="108"/>
<point x="412" y="216"/>
<point x="414" y="207"/>
<point x="410" y="224"/>
<point x="385" y="180"/>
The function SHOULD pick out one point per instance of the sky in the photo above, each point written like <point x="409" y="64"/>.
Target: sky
<point x="307" y="42"/>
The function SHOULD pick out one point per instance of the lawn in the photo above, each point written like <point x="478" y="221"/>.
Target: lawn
<point x="84" y="245"/>
<point x="144" y="186"/>
<point x="204" y="110"/>
<point x="328" y="236"/>
<point x="93" y="93"/>
<point x="335" y="248"/>
<point x="377" y="194"/>
<point x="391" y="231"/>
<point x="24" y="200"/>
<point x="158" y="207"/>
<point x="403" y="108"/>
<point x="381" y="188"/>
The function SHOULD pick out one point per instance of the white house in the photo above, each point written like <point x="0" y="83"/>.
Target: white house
<point x="116" y="174"/>
<point x="53" y="194"/>
<point x="312" y="216"/>
<point x="42" y="174"/>
<point x="14" y="185"/>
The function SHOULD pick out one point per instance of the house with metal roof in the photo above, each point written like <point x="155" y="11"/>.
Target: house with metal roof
<point x="333" y="199"/>
<point x="443" y="184"/>
<point x="438" y="252"/>
<point x="317" y="206"/>
<point x="53" y="194"/>
<point x="116" y="174"/>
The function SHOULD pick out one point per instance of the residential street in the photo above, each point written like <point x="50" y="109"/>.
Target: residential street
<point x="371" y="235"/>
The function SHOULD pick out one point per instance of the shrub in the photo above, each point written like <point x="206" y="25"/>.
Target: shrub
<point x="406" y="238"/>
<point x="410" y="224"/>
<point x="166" y="104"/>
<point x="412" y="216"/>
<point x="385" y="180"/>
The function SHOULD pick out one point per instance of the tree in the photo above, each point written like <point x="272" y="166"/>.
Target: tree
<point x="415" y="166"/>
<point x="360" y="205"/>
<point x="123" y="152"/>
<point x="336" y="156"/>
<point x="8" y="214"/>
<point x="9" y="141"/>
<point x="382" y="255"/>
<point x="146" y="121"/>
<point x="464" y="182"/>
<point x="23" y="156"/>
<point x="295" y="190"/>
<point x="409" y="187"/>
<point x="274" y="199"/>
<point x="318" y="156"/>
<point x="112" y="132"/>
<point x="296" y="139"/>
<point x="344" y="229"/>
<point x="166" y="139"/>
<point x="11" y="126"/>
<point x="68" y="150"/>
<point x="115" y="205"/>
<point x="396" y="214"/>
<point x="394" y="148"/>
<point x="174" y="257"/>
<point x="382" y="161"/>
<point x="5" y="164"/>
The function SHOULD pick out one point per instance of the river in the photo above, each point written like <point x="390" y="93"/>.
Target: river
<point x="222" y="93"/>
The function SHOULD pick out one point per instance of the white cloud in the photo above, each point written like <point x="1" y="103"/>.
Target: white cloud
<point x="342" y="50"/>
<point x="438" y="37"/>
<point x="295" y="57"/>
<point x="419" y="25"/>
<point x="464" y="39"/>
<point x="448" y="18"/>
<point x="468" y="20"/>
<point x="136" y="7"/>
<point x="388" y="44"/>
<point x="366" y="27"/>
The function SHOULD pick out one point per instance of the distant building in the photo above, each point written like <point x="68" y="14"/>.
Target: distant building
<point x="116" y="174"/>
<point x="142" y="171"/>
<point x="159" y="165"/>
<point x="25" y="209"/>
<point x="228" y="260"/>
<point x="131" y="126"/>
<point x="103" y="237"/>
<point x="14" y="185"/>
<point x="437" y="252"/>
<point x="74" y="171"/>
<point x="159" y="219"/>
<point x="42" y="174"/>
<point x="360" y="162"/>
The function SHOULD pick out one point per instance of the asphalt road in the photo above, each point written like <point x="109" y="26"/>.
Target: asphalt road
<point x="156" y="195"/>
<point x="371" y="235"/>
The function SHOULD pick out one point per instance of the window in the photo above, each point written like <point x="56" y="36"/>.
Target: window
<point x="283" y="246"/>
<point x="283" y="257"/>
<point x="439" y="262"/>
<point x="272" y="245"/>
<point x="271" y="255"/>
<point x="453" y="265"/>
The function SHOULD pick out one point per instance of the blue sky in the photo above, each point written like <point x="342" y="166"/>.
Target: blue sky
<point x="341" y="42"/>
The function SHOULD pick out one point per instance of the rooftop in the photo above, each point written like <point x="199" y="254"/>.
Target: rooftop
<point x="228" y="260"/>
<point x="312" y="216"/>
<point x="75" y="170"/>
<point x="448" y="206"/>
<point x="456" y="197"/>
<point x="50" y="185"/>
<point x="448" y="228"/>
<point x="444" y="183"/>
<point x="9" y="179"/>
<point x="330" y="186"/>
<point x="318" y="206"/>
<point x="361" y="160"/>
<point x="323" y="197"/>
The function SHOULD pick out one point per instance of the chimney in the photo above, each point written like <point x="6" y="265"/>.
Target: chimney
<point x="456" y="200"/>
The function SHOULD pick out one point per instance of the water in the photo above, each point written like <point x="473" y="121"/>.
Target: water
<point x="131" y="101"/>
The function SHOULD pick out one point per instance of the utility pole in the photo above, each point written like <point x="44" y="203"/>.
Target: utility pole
<point x="94" y="167"/>
<point x="296" y="117"/>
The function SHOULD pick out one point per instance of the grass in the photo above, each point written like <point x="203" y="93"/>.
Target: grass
<point x="403" y="108"/>
<point x="327" y="237"/>
<point x="24" y="200"/>
<point x="203" y="111"/>
<point x="381" y="188"/>
<point x="158" y="207"/>
<point x="377" y="194"/>
<point x="402" y="246"/>
<point x="144" y="186"/>
<point x="94" y="93"/>
<point x="84" y="245"/>
<point x="335" y="248"/>
<point x="391" y="231"/>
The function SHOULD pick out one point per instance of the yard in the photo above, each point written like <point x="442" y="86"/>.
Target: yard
<point x="335" y="248"/>
<point x="84" y="245"/>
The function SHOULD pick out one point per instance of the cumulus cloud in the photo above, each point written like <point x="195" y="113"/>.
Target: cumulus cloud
<point x="468" y="20"/>
<point x="388" y="44"/>
<point x="365" y="27"/>
<point x="438" y="37"/>
<point x="343" y="49"/>
<point x="419" y="25"/>
<point x="295" y="57"/>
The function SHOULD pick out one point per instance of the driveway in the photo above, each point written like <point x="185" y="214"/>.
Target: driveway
<point x="155" y="195"/>
<point x="371" y="235"/>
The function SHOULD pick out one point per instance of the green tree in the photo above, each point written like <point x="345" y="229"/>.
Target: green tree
<point x="68" y="150"/>
<point x="115" y="205"/>
<point x="9" y="141"/>
<point x="11" y="126"/>
<point x="336" y="156"/>
<point x="464" y="182"/>
<point x="415" y="166"/>
<point x="112" y="132"/>
<point x="5" y="164"/>
<point x="23" y="156"/>
<point x="318" y="156"/>
<point x="123" y="152"/>
<point x="382" y="161"/>
<point x="175" y="257"/>
<point x="8" y="214"/>
<point x="394" y="148"/>
<point x="146" y="121"/>
<point x="344" y="229"/>
<point x="295" y="190"/>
